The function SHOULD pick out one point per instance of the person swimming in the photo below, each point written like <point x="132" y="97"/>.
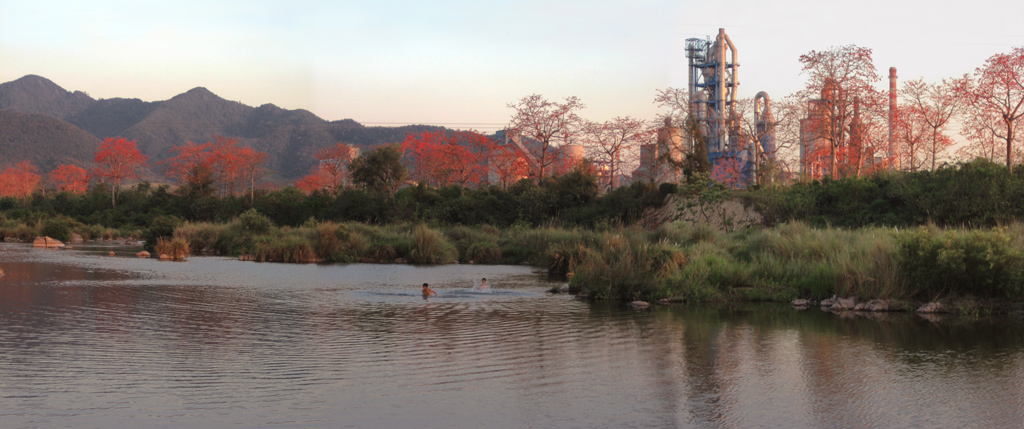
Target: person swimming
<point x="482" y="287"/>
<point x="428" y="291"/>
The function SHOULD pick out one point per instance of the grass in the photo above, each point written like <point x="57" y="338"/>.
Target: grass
<point x="676" y="261"/>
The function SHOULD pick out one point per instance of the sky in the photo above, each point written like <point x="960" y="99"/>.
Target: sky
<point x="460" y="63"/>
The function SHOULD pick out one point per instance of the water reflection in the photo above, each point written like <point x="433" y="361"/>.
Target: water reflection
<point x="90" y="340"/>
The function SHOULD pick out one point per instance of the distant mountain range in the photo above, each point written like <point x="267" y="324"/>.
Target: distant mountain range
<point x="44" y="123"/>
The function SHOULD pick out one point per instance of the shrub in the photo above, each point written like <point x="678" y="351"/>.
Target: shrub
<point x="253" y="222"/>
<point x="979" y="263"/>
<point x="484" y="252"/>
<point x="431" y="247"/>
<point x="160" y="227"/>
<point x="58" y="228"/>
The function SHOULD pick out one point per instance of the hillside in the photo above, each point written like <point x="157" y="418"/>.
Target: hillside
<point x="44" y="140"/>
<point x="289" y="137"/>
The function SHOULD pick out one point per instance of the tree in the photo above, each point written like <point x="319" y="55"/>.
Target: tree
<point x="509" y="165"/>
<point x="614" y="144"/>
<point x="543" y="128"/>
<point x="441" y="158"/>
<point x="911" y="130"/>
<point x="118" y="159"/>
<point x="997" y="91"/>
<point x="253" y="167"/>
<point x="935" y="104"/>
<point x="19" y="181"/>
<point x="334" y="162"/>
<point x="380" y="171"/>
<point x="843" y="78"/>
<point x="191" y="164"/>
<point x="318" y="179"/>
<point x="225" y="164"/>
<point x="70" y="178"/>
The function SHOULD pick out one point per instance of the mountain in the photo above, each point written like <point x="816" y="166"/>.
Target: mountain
<point x="289" y="137"/>
<point x="43" y="139"/>
<point x="36" y="94"/>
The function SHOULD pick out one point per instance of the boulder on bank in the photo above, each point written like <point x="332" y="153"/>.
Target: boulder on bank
<point x="931" y="308"/>
<point x="76" y="239"/>
<point x="827" y="303"/>
<point x="47" y="242"/>
<point x="164" y="257"/>
<point x="843" y="304"/>
<point x="801" y="304"/>
<point x="877" y="305"/>
<point x="246" y="257"/>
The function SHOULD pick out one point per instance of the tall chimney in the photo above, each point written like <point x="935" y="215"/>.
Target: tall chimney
<point x="892" y="117"/>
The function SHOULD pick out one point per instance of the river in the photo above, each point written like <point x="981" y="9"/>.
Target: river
<point x="90" y="340"/>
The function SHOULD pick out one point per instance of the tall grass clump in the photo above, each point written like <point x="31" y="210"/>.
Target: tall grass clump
<point x="335" y="243"/>
<point x="474" y="244"/>
<point x="431" y="247"/>
<point x="484" y="252"/>
<point x="625" y="268"/>
<point x="202" y="237"/>
<point x="176" y="248"/>
<point x="979" y="263"/>
<point x="293" y="249"/>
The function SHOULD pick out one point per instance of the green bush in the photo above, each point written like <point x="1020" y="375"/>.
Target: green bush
<point x="431" y="247"/>
<point x="58" y="228"/>
<point x="988" y="264"/>
<point x="255" y="223"/>
<point x="484" y="252"/>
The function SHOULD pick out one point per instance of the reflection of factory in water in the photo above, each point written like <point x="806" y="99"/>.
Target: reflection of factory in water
<point x="712" y="88"/>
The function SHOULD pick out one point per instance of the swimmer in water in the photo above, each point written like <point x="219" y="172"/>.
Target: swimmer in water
<point x="483" y="285"/>
<point x="428" y="291"/>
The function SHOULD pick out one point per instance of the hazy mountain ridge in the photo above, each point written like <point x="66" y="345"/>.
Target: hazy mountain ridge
<point x="289" y="137"/>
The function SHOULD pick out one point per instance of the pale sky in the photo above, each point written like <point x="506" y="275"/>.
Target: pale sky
<point x="459" y="63"/>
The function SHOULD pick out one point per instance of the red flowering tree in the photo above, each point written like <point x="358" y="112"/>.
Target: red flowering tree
<point x="442" y="158"/>
<point x="543" y="128"/>
<point x="509" y="165"/>
<point x="253" y="167"/>
<point x="19" y="181"/>
<point x="334" y="162"/>
<point x="318" y="179"/>
<point x="117" y="159"/>
<point x="191" y="164"/>
<point x="70" y="178"/>
<point x="996" y="93"/>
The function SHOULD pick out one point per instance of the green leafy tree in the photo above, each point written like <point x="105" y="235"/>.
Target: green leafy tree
<point x="380" y="171"/>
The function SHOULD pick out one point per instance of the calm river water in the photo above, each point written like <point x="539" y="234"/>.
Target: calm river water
<point x="88" y="340"/>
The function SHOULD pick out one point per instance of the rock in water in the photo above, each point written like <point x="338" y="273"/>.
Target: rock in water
<point x="639" y="304"/>
<point x="877" y="305"/>
<point x="801" y="303"/>
<point x="931" y="307"/>
<point x="142" y="254"/>
<point x="843" y="304"/>
<point x="47" y="242"/>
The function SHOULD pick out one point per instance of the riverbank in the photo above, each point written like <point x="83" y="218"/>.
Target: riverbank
<point x="975" y="269"/>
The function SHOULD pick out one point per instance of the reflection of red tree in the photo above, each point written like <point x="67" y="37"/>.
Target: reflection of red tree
<point x="70" y="178"/>
<point x="19" y="181"/>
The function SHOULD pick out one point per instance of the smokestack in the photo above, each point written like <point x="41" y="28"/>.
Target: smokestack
<point x="892" y="117"/>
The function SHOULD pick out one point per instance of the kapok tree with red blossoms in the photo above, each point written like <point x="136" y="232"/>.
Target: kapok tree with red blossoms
<point x="118" y="159"/>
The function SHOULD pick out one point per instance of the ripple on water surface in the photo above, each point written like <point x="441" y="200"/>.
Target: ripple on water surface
<point x="89" y="340"/>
